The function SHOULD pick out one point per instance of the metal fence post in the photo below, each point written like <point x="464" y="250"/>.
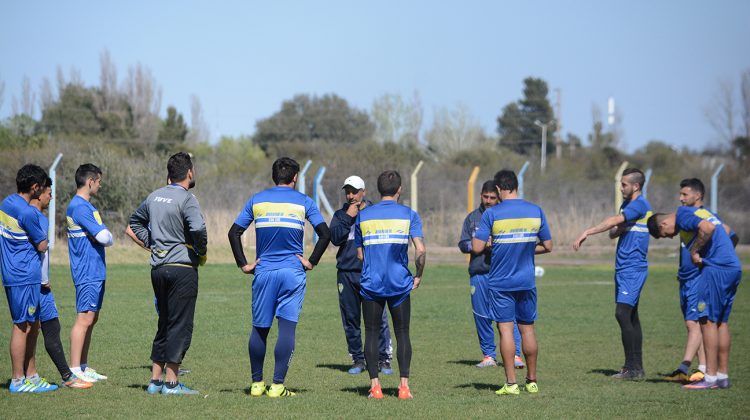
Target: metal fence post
<point x="715" y="189"/>
<point x="521" y="174"/>
<point x="470" y="189"/>
<point x="618" y="178"/>
<point x="301" y="177"/>
<point x="51" y="210"/>
<point x="316" y="193"/>
<point x="644" y="189"/>
<point x="414" y="185"/>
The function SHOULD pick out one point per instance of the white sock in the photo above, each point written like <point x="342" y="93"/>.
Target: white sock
<point x="76" y="369"/>
<point x="709" y="378"/>
<point x="34" y="378"/>
<point x="720" y="375"/>
<point x="18" y="381"/>
<point x="702" y="368"/>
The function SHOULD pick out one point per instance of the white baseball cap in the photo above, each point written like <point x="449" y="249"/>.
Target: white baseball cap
<point x="354" y="181"/>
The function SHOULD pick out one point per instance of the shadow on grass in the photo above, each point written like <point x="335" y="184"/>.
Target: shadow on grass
<point x="479" y="386"/>
<point x="605" y="372"/>
<point x="464" y="362"/>
<point x="334" y="366"/>
<point x="365" y="390"/>
<point x="147" y="367"/>
<point x="138" y="386"/>
<point x="5" y="385"/>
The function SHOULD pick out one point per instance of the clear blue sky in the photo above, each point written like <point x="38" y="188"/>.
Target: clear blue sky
<point x="661" y="60"/>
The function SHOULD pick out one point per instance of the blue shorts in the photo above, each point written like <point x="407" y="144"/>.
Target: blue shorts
<point x="278" y="293"/>
<point x="47" y="307"/>
<point x="628" y="286"/>
<point x="512" y="306"/>
<point x="717" y="291"/>
<point x="393" y="301"/>
<point x="89" y="296"/>
<point x="689" y="293"/>
<point x="480" y="295"/>
<point x="23" y="302"/>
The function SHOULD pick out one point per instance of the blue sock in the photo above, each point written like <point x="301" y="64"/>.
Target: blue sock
<point x="256" y="346"/>
<point x="84" y="366"/>
<point x="284" y="349"/>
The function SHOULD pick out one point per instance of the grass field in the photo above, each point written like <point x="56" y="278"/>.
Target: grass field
<point x="578" y="336"/>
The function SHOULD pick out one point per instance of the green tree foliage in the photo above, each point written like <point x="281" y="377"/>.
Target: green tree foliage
<point x="173" y="130"/>
<point x="516" y="123"/>
<point x="79" y="112"/>
<point x="20" y="131"/>
<point x="306" y="118"/>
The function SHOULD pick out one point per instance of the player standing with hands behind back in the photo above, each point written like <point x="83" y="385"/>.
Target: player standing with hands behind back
<point x="382" y="237"/>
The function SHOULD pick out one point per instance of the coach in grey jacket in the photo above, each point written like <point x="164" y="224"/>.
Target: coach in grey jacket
<point x="169" y="223"/>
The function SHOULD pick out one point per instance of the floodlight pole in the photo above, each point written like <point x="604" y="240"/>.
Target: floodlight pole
<point x="644" y="189"/>
<point x="51" y="209"/>
<point x="414" y="185"/>
<point x="618" y="178"/>
<point x="470" y="189"/>
<point x="715" y="189"/>
<point x="301" y="177"/>
<point x="521" y="174"/>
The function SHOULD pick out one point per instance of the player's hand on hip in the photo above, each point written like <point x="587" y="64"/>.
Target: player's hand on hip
<point x="47" y="286"/>
<point x="697" y="260"/>
<point x="417" y="281"/>
<point x="202" y="259"/>
<point x="250" y="268"/>
<point x="305" y="263"/>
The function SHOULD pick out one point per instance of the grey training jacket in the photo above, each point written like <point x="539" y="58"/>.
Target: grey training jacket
<point x="170" y="223"/>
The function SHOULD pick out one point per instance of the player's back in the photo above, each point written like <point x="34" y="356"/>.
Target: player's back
<point x="20" y="262"/>
<point x="383" y="231"/>
<point x="279" y="214"/>
<point x="719" y="251"/>
<point x="516" y="226"/>
<point x="87" y="260"/>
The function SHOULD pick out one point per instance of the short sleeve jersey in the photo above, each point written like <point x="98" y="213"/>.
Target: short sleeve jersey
<point x="632" y="246"/>
<point x="515" y="227"/>
<point x="383" y="231"/>
<point x="20" y="232"/>
<point x="87" y="261"/>
<point x="719" y="251"/>
<point x="279" y="214"/>
<point x="688" y="270"/>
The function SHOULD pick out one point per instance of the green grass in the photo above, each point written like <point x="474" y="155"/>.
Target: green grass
<point x="578" y="336"/>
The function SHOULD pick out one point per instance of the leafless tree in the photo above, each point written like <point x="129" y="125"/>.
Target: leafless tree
<point x="454" y="130"/>
<point x="198" y="128"/>
<point x="721" y="112"/>
<point x="107" y="80"/>
<point x="397" y="120"/>
<point x="2" y="93"/>
<point x="144" y="96"/>
<point x="27" y="97"/>
<point x="60" y="77"/>
<point x="745" y="91"/>
<point x="46" y="97"/>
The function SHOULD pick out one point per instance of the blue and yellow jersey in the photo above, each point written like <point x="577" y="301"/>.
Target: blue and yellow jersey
<point x="687" y="270"/>
<point x="515" y="226"/>
<point x="87" y="261"/>
<point x="718" y="252"/>
<point x="279" y="214"/>
<point x="20" y="232"/>
<point x="632" y="246"/>
<point x="383" y="231"/>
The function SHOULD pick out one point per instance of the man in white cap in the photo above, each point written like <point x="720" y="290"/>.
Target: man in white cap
<point x="348" y="278"/>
